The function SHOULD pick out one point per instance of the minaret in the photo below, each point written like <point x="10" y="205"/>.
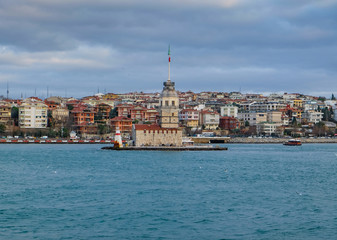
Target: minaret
<point x="169" y="103"/>
<point x="7" y="91"/>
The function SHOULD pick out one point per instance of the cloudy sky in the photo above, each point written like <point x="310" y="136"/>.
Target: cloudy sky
<point x="77" y="47"/>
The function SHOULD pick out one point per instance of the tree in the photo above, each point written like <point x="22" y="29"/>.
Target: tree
<point x="15" y="115"/>
<point x="294" y="121"/>
<point x="2" y="128"/>
<point x="326" y="114"/>
<point x="102" y="128"/>
<point x="246" y="124"/>
<point x="320" y="98"/>
<point x="113" y="113"/>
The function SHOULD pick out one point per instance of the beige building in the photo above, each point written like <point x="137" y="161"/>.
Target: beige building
<point x="154" y="135"/>
<point x="33" y="113"/>
<point x="60" y="117"/>
<point x="5" y="113"/>
<point x="274" y="117"/>
<point x="253" y="117"/>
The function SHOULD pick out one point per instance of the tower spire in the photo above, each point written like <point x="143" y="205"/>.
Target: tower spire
<point x="169" y="61"/>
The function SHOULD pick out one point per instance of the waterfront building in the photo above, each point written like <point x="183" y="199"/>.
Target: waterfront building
<point x="33" y="113"/>
<point x="267" y="128"/>
<point x="60" y="117"/>
<point x="83" y="117"/>
<point x="5" y="113"/>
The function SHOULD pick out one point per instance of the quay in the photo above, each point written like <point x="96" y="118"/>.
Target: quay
<point x="187" y="148"/>
<point x="53" y="141"/>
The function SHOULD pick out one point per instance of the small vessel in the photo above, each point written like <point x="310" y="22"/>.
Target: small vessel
<point x="293" y="142"/>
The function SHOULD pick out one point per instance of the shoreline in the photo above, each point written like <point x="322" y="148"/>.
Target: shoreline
<point x="236" y="140"/>
<point x="279" y="140"/>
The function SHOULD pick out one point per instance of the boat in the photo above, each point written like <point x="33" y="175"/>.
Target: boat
<point x="293" y="142"/>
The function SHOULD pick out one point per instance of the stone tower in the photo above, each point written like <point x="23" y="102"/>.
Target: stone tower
<point x="169" y="103"/>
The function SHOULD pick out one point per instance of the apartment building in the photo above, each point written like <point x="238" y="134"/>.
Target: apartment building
<point x="189" y="117"/>
<point x="33" y="113"/>
<point x="210" y="120"/>
<point x="229" y="111"/>
<point x="253" y="118"/>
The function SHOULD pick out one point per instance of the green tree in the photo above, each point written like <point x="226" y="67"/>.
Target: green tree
<point x="70" y="107"/>
<point x="326" y="114"/>
<point x="99" y="115"/>
<point x="2" y="128"/>
<point x="320" y="98"/>
<point x="102" y="128"/>
<point x="113" y="113"/>
<point x="15" y="115"/>
<point x="246" y="124"/>
<point x="294" y="121"/>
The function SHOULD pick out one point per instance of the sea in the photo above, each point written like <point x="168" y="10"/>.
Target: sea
<point x="251" y="191"/>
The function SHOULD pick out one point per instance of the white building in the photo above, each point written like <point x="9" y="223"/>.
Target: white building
<point x="310" y="106"/>
<point x="210" y="120"/>
<point x="266" y="106"/>
<point x="253" y="117"/>
<point x="229" y="111"/>
<point x="267" y="128"/>
<point x="313" y="116"/>
<point x="33" y="113"/>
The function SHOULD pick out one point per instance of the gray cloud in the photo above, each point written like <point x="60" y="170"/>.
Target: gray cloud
<point x="121" y="45"/>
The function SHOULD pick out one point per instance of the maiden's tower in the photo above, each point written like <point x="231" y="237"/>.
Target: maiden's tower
<point x="167" y="132"/>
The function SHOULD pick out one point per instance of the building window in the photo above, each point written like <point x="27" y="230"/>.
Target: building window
<point x="173" y="103"/>
<point x="166" y="103"/>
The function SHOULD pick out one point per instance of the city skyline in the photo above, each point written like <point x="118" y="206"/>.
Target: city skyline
<point x="74" y="48"/>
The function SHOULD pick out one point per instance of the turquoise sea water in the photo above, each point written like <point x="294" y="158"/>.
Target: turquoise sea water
<point x="248" y="192"/>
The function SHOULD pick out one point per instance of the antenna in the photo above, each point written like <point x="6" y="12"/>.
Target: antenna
<point x="7" y="90"/>
<point x="47" y="92"/>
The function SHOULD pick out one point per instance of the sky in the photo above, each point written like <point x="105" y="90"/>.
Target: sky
<point x="81" y="47"/>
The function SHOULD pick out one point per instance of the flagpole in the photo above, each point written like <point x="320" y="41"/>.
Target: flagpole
<point x="169" y="61"/>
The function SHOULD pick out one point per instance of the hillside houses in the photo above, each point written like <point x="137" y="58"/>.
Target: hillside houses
<point x="234" y="112"/>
